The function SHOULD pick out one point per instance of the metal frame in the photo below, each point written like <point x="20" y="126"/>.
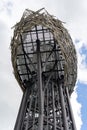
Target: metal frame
<point x="45" y="104"/>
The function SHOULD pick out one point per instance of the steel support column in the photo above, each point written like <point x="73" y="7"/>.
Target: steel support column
<point x="22" y="110"/>
<point x="63" y="107"/>
<point x="39" y="77"/>
<point x="54" y="114"/>
<point x="70" y="109"/>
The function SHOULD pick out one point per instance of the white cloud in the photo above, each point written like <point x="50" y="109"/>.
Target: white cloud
<point x="82" y="64"/>
<point x="10" y="93"/>
<point x="76" y="107"/>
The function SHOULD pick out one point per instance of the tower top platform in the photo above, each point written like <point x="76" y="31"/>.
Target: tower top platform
<point x="40" y="25"/>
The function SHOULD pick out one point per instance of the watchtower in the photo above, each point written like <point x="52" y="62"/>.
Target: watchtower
<point x="45" y="66"/>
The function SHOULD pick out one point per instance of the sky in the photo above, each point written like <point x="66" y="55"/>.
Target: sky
<point x="74" y="14"/>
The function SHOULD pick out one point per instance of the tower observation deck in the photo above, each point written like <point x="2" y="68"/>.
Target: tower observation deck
<point x="45" y="66"/>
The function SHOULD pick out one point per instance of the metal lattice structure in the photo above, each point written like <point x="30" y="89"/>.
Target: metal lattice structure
<point x="45" y="66"/>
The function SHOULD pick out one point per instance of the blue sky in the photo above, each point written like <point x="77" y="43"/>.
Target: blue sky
<point x="74" y="14"/>
<point x="82" y="97"/>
